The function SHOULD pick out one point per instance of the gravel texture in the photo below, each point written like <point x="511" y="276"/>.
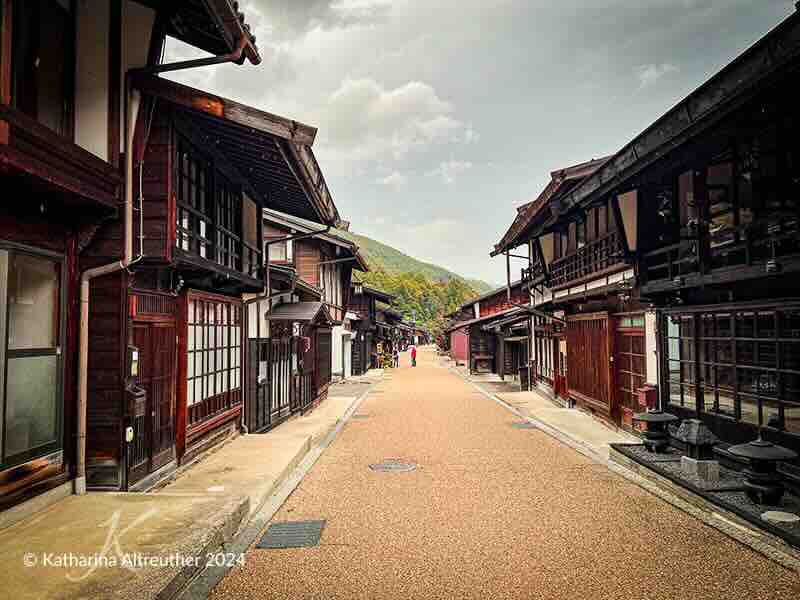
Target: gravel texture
<point x="490" y="512"/>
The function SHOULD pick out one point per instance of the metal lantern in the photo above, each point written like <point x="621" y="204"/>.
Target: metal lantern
<point x="762" y="482"/>
<point x="656" y="439"/>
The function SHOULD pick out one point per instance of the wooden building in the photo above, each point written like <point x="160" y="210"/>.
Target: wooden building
<point x="65" y="109"/>
<point x="363" y="305"/>
<point x="299" y="334"/>
<point x="691" y="288"/>
<point x="476" y="341"/>
<point x="201" y="226"/>
<point x="324" y="260"/>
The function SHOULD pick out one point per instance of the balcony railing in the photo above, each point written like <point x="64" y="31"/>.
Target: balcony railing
<point x="594" y="257"/>
<point x="759" y="245"/>
<point x="197" y="234"/>
<point x="532" y="274"/>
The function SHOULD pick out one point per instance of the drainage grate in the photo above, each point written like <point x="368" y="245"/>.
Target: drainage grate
<point x="292" y="534"/>
<point x="360" y="416"/>
<point x="394" y="465"/>
<point x="523" y="425"/>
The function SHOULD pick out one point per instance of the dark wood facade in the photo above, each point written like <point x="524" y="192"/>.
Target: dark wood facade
<point x="702" y="211"/>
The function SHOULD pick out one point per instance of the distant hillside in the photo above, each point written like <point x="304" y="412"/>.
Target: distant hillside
<point x="385" y="258"/>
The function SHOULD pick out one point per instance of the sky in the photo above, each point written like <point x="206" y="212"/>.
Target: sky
<point x="437" y="118"/>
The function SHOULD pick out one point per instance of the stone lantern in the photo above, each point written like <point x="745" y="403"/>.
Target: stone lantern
<point x="698" y="461"/>
<point x="656" y="439"/>
<point x="698" y="438"/>
<point x="762" y="482"/>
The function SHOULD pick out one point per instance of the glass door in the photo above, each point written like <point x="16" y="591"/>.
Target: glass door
<point x="30" y="356"/>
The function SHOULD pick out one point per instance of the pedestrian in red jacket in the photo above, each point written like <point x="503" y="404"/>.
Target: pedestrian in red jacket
<point x="413" y="356"/>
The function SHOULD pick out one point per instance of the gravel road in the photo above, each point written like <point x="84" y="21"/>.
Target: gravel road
<point x="491" y="512"/>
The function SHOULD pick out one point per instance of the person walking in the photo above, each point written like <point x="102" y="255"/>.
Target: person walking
<point x="413" y="356"/>
<point x="396" y="358"/>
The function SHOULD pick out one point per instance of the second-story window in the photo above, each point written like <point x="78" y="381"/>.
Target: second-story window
<point x="229" y="224"/>
<point x="580" y="232"/>
<point x="194" y="208"/>
<point x="215" y="219"/>
<point x="43" y="61"/>
<point x="281" y="252"/>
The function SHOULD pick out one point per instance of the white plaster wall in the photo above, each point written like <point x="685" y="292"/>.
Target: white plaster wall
<point x="136" y="33"/>
<point x="347" y="349"/>
<point x="628" y="207"/>
<point x="650" y="337"/>
<point x="337" y="347"/>
<point x="92" y="76"/>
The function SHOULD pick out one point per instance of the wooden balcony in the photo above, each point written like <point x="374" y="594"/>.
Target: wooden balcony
<point x="532" y="275"/>
<point x="594" y="258"/>
<point x="27" y="146"/>
<point x="770" y="245"/>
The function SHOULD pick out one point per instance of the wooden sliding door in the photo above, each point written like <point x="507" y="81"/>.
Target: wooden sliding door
<point x="589" y="359"/>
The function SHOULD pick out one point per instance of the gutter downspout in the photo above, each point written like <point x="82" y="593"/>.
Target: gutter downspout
<point x="134" y="102"/>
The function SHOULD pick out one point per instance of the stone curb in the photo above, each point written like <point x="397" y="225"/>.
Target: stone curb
<point x="203" y="582"/>
<point x="221" y="536"/>
<point x="717" y="520"/>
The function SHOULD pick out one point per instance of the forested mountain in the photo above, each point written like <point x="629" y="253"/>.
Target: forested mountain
<point x="392" y="261"/>
<point x="424" y="292"/>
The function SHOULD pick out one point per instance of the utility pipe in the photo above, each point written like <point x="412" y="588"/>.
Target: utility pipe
<point x="134" y="101"/>
<point x="234" y="56"/>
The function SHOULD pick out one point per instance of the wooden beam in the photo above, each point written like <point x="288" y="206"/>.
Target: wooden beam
<point x="114" y="83"/>
<point x="224" y="108"/>
<point x="5" y="51"/>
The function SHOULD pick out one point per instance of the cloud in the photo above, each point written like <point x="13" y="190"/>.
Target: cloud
<point x="293" y="18"/>
<point x="365" y="122"/>
<point x="649" y="74"/>
<point x="471" y="136"/>
<point x="393" y="179"/>
<point x="450" y="170"/>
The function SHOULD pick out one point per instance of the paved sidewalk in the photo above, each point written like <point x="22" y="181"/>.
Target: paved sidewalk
<point x="491" y="511"/>
<point x="579" y="427"/>
<point x="197" y="513"/>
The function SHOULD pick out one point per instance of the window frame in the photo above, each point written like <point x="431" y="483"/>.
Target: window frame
<point x="203" y="364"/>
<point x="16" y="63"/>
<point x="217" y="199"/>
<point x="58" y="444"/>
<point x="721" y="350"/>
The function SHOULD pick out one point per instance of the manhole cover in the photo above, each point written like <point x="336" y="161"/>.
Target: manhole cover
<point x="292" y="534"/>
<point x="393" y="465"/>
<point x="523" y="425"/>
<point x="779" y="516"/>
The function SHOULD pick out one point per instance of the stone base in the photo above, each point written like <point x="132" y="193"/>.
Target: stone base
<point x="705" y="470"/>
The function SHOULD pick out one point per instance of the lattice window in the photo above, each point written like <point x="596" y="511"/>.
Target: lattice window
<point x="213" y="371"/>
<point x="741" y="363"/>
<point x="194" y="202"/>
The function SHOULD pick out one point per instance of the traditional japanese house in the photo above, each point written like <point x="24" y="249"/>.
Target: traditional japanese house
<point x="719" y="197"/>
<point x="64" y="109"/>
<point x="387" y="322"/>
<point x="555" y="295"/>
<point x="165" y="336"/>
<point x="295" y="355"/>
<point x="272" y="376"/>
<point x="322" y="259"/>
<point x="473" y="340"/>
<point x="701" y="250"/>
<point x="363" y="304"/>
